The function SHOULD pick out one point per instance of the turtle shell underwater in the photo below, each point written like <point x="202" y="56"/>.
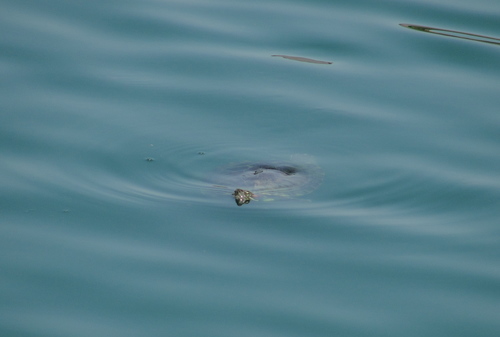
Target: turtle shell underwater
<point x="268" y="181"/>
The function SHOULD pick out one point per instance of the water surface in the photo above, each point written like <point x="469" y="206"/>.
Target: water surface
<point x="114" y="113"/>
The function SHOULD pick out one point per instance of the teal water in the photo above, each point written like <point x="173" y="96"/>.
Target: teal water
<point x="400" y="239"/>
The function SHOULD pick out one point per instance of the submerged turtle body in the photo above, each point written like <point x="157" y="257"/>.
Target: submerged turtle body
<point x="268" y="181"/>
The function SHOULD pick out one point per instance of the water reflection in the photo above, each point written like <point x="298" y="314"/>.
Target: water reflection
<point x="453" y="33"/>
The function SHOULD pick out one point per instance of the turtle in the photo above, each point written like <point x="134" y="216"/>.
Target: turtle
<point x="267" y="181"/>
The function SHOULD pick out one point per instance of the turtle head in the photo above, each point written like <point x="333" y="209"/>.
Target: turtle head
<point x="242" y="197"/>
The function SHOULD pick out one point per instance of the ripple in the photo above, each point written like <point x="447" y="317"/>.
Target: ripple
<point x="131" y="173"/>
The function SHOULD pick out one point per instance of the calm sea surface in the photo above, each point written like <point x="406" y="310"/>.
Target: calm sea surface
<point x="115" y="116"/>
